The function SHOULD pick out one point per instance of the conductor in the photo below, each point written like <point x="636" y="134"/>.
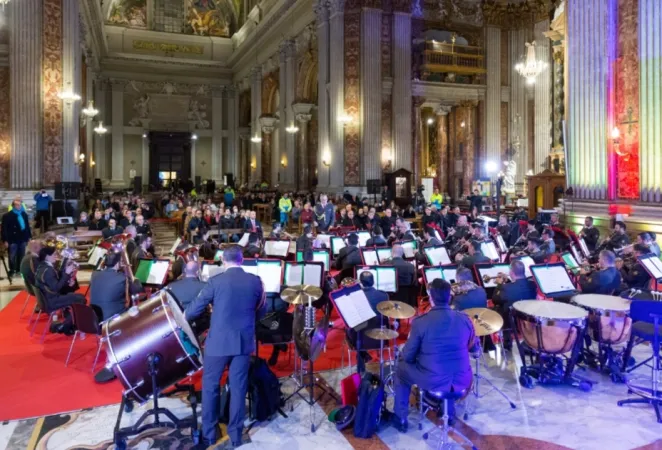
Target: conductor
<point x="236" y="297"/>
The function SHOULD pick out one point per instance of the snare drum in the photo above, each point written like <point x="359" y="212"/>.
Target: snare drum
<point x="614" y="324"/>
<point x="155" y="326"/>
<point x="548" y="327"/>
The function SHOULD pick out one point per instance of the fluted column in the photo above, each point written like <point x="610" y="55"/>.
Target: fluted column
<point x="145" y="159"/>
<point x="588" y="31"/>
<point x="302" y="112"/>
<point x="518" y="106"/>
<point x="25" y="54"/>
<point x="256" y="129"/>
<point x="493" y="95"/>
<point x="402" y="102"/>
<point x="336" y="93"/>
<point x="284" y="121"/>
<point x="324" y="151"/>
<point x="71" y="77"/>
<point x="443" y="168"/>
<point x="650" y="94"/>
<point x="291" y="173"/>
<point x="217" y="135"/>
<point x="268" y="125"/>
<point x="418" y="140"/>
<point x="543" y="100"/>
<point x="244" y="154"/>
<point x="468" y="115"/>
<point x="118" y="134"/>
<point x="232" y="158"/>
<point x="371" y="92"/>
<point x="100" y="167"/>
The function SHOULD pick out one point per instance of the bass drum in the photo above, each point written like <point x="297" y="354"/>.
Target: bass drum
<point x="157" y="326"/>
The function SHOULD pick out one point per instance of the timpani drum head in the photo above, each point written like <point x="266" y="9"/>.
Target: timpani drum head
<point x="609" y="317"/>
<point x="550" y="310"/>
<point x="602" y="302"/>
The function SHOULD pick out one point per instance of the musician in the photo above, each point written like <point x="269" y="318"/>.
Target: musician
<point x="108" y="287"/>
<point x="460" y="231"/>
<point x="276" y="231"/>
<point x="648" y="240"/>
<point x="554" y="221"/>
<point x="30" y="262"/>
<point x="53" y="283"/>
<point x="375" y="297"/>
<point x="305" y="241"/>
<point x="444" y="219"/>
<point x="325" y="217"/>
<point x="189" y="286"/>
<point x="618" y="238"/>
<point x="253" y="249"/>
<point x="143" y="242"/>
<point x="349" y="256"/>
<point x="605" y="281"/>
<point x="197" y="227"/>
<point x="477" y="233"/>
<point x="430" y="238"/>
<point x="468" y="294"/>
<point x="112" y="229"/>
<point x="436" y="355"/>
<point x="130" y="243"/>
<point x="590" y="234"/>
<point x="142" y="227"/>
<point x="98" y="223"/>
<point x="474" y="255"/>
<point x="253" y="225"/>
<point x="406" y="273"/>
<point x="634" y="275"/>
<point x="548" y="246"/>
<point x="236" y="297"/>
<point x="453" y="217"/>
<point x="506" y="294"/>
<point x="534" y="251"/>
<point x="504" y="228"/>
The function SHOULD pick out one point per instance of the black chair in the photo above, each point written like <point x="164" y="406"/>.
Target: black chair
<point x="439" y="402"/>
<point x="29" y="290"/>
<point x="43" y="308"/>
<point x="86" y="320"/>
<point x="646" y="317"/>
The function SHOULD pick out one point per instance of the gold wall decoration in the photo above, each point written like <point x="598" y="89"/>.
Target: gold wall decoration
<point x="516" y="15"/>
<point x="168" y="48"/>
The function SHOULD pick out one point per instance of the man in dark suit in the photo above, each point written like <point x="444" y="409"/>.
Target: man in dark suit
<point x="188" y="288"/>
<point x="635" y="276"/>
<point x="436" y="355"/>
<point x="377" y="239"/>
<point x="253" y="249"/>
<point x="474" y="255"/>
<point x="506" y="294"/>
<point x="504" y="228"/>
<point x="349" y="256"/>
<point x="252" y="225"/>
<point x="15" y="235"/>
<point x="618" y="238"/>
<point x="30" y="262"/>
<point x="197" y="227"/>
<point x="534" y="251"/>
<point x="305" y="241"/>
<point x="108" y="287"/>
<point x="605" y="281"/>
<point x="112" y="229"/>
<point x="429" y="240"/>
<point x="142" y="227"/>
<point x="406" y="273"/>
<point x="471" y="295"/>
<point x="227" y="222"/>
<point x="375" y="297"/>
<point x="237" y="297"/>
<point x="143" y="243"/>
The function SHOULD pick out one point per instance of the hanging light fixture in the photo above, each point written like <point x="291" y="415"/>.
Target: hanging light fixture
<point x="292" y="128"/>
<point x="530" y="68"/>
<point x="256" y="139"/>
<point x="68" y="95"/>
<point x="100" y="129"/>
<point x="89" y="111"/>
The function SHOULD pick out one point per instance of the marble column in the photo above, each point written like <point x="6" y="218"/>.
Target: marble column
<point x="117" y="131"/>
<point x="217" y="136"/>
<point x="518" y="106"/>
<point x="442" y="159"/>
<point x="336" y="93"/>
<point x="89" y="128"/>
<point x="232" y="159"/>
<point x="100" y="167"/>
<point x="289" y="150"/>
<point x="650" y="94"/>
<point x="193" y="158"/>
<point x="469" y="117"/>
<point x="493" y="95"/>
<point x="303" y="116"/>
<point x="543" y="100"/>
<point x="284" y="122"/>
<point x="587" y="97"/>
<point x="269" y="150"/>
<point x="25" y="55"/>
<point x="418" y="140"/>
<point x="402" y="101"/>
<point x="145" y="158"/>
<point x="71" y="77"/>
<point x="371" y="93"/>
<point x="324" y="151"/>
<point x="244" y="135"/>
<point x="256" y="128"/>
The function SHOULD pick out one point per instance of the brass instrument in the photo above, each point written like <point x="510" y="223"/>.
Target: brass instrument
<point x="501" y="276"/>
<point x="463" y="287"/>
<point x="346" y="282"/>
<point x="118" y="245"/>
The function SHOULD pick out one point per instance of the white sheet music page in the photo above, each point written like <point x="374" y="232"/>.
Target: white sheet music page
<point x="337" y="243"/>
<point x="363" y="236"/>
<point x="386" y="277"/>
<point x="354" y="308"/>
<point x="433" y="274"/>
<point x="250" y="269"/>
<point x="528" y="262"/>
<point x="244" y="240"/>
<point x="322" y="257"/>
<point x="211" y="270"/>
<point x="158" y="272"/>
<point x="489" y="249"/>
<point x="97" y="254"/>
<point x="276" y="248"/>
<point x="409" y="249"/>
<point x="175" y="245"/>
<point x="384" y="254"/>
<point x="493" y="272"/>
<point x="437" y="255"/>
<point x="293" y="275"/>
<point x="270" y="274"/>
<point x="652" y="267"/>
<point x="324" y="239"/>
<point x="370" y="257"/>
<point x="658" y="263"/>
<point x="449" y="275"/>
<point x="553" y="279"/>
<point x="292" y="248"/>
<point x="312" y="274"/>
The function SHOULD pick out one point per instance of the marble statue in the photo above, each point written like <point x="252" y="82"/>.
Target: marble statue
<point x="142" y="109"/>
<point x="197" y="114"/>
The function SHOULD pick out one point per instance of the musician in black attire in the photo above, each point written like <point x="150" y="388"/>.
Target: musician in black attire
<point x="142" y="227"/>
<point x="548" y="246"/>
<point x="108" y="287"/>
<point x="253" y="249"/>
<point x="635" y="276"/>
<point x="506" y="294"/>
<point x="504" y="228"/>
<point x="189" y="286"/>
<point x="453" y="216"/>
<point x="349" y="256"/>
<point x="534" y="251"/>
<point x="474" y="255"/>
<point x="618" y="238"/>
<point x="143" y="242"/>
<point x="459" y="231"/>
<point x="406" y="276"/>
<point x="305" y="241"/>
<point x="388" y="221"/>
<point x="112" y="229"/>
<point x="605" y="281"/>
<point x="590" y="234"/>
<point x="648" y="240"/>
<point x="444" y="219"/>
<point x="469" y="294"/>
<point x="377" y="238"/>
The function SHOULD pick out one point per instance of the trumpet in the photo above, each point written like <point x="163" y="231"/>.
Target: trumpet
<point x="501" y="276"/>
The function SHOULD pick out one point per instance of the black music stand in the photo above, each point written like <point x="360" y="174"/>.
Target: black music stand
<point x="3" y="259"/>
<point x="562" y="288"/>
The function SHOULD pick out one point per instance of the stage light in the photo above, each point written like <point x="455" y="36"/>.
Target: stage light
<point x="490" y="167"/>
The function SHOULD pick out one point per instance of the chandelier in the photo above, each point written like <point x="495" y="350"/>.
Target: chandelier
<point x="292" y="129"/>
<point x="530" y="68"/>
<point x="89" y="111"/>
<point x="256" y="139"/>
<point x="100" y="129"/>
<point x="68" y="95"/>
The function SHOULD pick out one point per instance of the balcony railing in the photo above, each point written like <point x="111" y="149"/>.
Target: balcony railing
<point x="444" y="58"/>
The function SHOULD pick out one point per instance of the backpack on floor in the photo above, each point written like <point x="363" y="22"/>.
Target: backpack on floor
<point x="264" y="389"/>
<point x="371" y="398"/>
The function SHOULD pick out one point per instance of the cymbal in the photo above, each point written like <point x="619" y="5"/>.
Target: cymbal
<point x="381" y="334"/>
<point x="300" y="295"/>
<point x="396" y="310"/>
<point x="486" y="321"/>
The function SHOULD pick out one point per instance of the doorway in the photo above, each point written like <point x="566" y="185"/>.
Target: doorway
<point x="170" y="158"/>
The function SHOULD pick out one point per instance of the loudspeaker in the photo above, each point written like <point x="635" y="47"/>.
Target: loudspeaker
<point x="67" y="190"/>
<point x="229" y="179"/>
<point x="373" y="186"/>
<point x="61" y="209"/>
<point x="98" y="188"/>
<point x="211" y="186"/>
<point x="137" y="185"/>
<point x="198" y="181"/>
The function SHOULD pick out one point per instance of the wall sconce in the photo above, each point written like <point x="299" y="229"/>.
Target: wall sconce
<point x="430" y="121"/>
<point x="194" y="137"/>
<point x="283" y="163"/>
<point x="80" y="160"/>
<point x="92" y="163"/>
<point x="326" y="160"/>
<point x="292" y="128"/>
<point x="616" y="139"/>
<point x="463" y="124"/>
<point x="345" y="119"/>
<point x="144" y="135"/>
<point x="253" y="165"/>
<point x="100" y="129"/>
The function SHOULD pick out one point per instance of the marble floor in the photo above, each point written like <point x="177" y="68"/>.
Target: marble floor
<point x="546" y="418"/>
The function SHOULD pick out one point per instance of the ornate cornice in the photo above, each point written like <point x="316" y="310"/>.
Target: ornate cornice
<point x="338" y="6"/>
<point x="516" y="15"/>
<point x="321" y="11"/>
<point x="163" y="87"/>
<point x="402" y="6"/>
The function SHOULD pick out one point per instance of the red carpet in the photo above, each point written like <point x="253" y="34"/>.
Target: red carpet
<point x="36" y="383"/>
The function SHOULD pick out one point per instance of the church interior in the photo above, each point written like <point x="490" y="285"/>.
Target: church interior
<point x="537" y="108"/>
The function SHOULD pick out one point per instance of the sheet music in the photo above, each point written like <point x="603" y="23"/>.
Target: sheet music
<point x="244" y="240"/>
<point x="492" y="272"/>
<point x="250" y="269"/>
<point x="157" y="272"/>
<point x="409" y="248"/>
<point x="312" y="274"/>
<point x="438" y="236"/>
<point x="576" y="254"/>
<point x="652" y="266"/>
<point x="489" y="249"/>
<point x="292" y="248"/>
<point x="354" y="308"/>
<point x="269" y="273"/>
<point x="219" y="255"/>
<point x="293" y="275"/>
<point x="553" y="279"/>
<point x="370" y="258"/>
<point x="528" y="262"/>
<point x="276" y="248"/>
<point x="584" y="248"/>
<point x="570" y="261"/>
<point x="437" y="255"/>
<point x="97" y="255"/>
<point x="383" y="254"/>
<point x="502" y="245"/>
<point x="372" y="271"/>
<point x="433" y="273"/>
<point x="178" y="241"/>
<point x="363" y="236"/>
<point x="210" y="271"/>
<point x="386" y="277"/>
<point x="322" y="257"/>
<point x="336" y="244"/>
<point x="449" y="275"/>
<point x="324" y="239"/>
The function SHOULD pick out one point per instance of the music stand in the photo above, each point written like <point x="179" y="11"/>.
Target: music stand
<point x="491" y="270"/>
<point x="437" y="255"/>
<point x="571" y="263"/>
<point x="446" y="272"/>
<point x="210" y="269"/>
<point x="528" y="262"/>
<point x="153" y="272"/>
<point x="653" y="266"/>
<point x="303" y="273"/>
<point x="337" y="243"/>
<point x="384" y="254"/>
<point x="489" y="249"/>
<point x="386" y="277"/>
<point x="322" y="255"/>
<point x="369" y="256"/>
<point x="553" y="280"/>
<point x="410" y="248"/>
<point x="276" y="248"/>
<point x="270" y="272"/>
<point x="364" y="237"/>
